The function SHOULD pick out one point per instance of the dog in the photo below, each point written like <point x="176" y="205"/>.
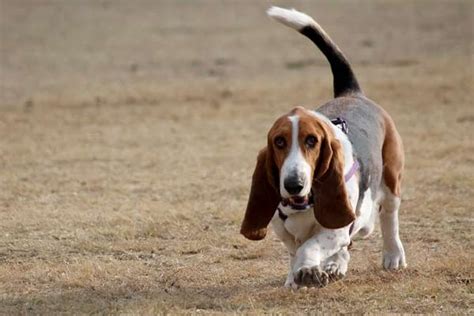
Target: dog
<point x="326" y="174"/>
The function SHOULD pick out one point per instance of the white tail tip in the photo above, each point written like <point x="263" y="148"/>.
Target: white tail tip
<point x="291" y="18"/>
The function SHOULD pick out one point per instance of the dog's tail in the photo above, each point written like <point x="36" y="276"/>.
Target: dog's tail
<point x="345" y="82"/>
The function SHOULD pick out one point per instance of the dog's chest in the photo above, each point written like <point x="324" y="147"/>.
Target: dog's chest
<point x="301" y="225"/>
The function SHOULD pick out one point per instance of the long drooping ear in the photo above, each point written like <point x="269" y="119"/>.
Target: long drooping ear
<point x="263" y="199"/>
<point x="332" y="207"/>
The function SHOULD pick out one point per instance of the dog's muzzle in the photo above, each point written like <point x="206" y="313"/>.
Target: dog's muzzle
<point x="299" y="203"/>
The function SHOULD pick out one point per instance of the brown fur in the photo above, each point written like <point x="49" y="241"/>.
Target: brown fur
<point x="332" y="208"/>
<point x="393" y="156"/>
<point x="263" y="200"/>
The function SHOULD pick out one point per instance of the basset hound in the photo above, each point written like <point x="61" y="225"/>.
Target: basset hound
<point x="326" y="174"/>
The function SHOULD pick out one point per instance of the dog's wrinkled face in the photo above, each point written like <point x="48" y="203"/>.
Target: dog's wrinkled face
<point x="302" y="165"/>
<point x="295" y="139"/>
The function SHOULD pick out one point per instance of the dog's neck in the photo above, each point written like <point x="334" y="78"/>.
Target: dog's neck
<point x="342" y="138"/>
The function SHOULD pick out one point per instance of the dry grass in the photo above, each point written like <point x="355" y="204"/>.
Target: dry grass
<point x="129" y="134"/>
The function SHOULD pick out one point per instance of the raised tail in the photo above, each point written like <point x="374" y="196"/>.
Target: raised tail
<point x="345" y="82"/>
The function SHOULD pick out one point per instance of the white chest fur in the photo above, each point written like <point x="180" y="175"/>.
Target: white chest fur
<point x="301" y="225"/>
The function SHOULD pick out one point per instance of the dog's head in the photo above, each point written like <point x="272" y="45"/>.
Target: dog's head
<point x="302" y="165"/>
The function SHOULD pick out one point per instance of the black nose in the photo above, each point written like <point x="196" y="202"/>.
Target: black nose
<point x="293" y="185"/>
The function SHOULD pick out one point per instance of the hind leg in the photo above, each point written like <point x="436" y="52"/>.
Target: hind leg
<point x="393" y="161"/>
<point x="393" y="252"/>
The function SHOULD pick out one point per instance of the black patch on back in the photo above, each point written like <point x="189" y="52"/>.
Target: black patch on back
<point x="344" y="79"/>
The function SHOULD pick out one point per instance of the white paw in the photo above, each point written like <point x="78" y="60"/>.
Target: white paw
<point x="395" y="259"/>
<point x="334" y="270"/>
<point x="336" y="265"/>
<point x="311" y="277"/>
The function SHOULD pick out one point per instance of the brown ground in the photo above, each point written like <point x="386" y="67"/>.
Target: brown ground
<point x="129" y="131"/>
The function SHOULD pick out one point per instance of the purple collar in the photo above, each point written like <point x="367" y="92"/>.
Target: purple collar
<point x="352" y="171"/>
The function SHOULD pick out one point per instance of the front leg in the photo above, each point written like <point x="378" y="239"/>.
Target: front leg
<point x="307" y="269"/>
<point x="336" y="265"/>
<point x="290" y="243"/>
<point x="290" y="280"/>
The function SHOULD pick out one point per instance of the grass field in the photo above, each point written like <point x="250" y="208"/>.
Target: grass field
<point x="129" y="132"/>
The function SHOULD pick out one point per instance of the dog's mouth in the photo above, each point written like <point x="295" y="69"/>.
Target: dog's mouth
<point x="298" y="202"/>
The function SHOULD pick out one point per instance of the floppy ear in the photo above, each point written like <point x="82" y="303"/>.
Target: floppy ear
<point x="332" y="207"/>
<point x="263" y="199"/>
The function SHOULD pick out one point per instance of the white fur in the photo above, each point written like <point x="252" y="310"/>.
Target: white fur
<point x="295" y="162"/>
<point x="314" y="249"/>
<point x="308" y="243"/>
<point x="295" y="19"/>
<point x="337" y="264"/>
<point x="393" y="252"/>
<point x="342" y="138"/>
<point x="291" y="18"/>
<point x="311" y="245"/>
<point x="364" y="223"/>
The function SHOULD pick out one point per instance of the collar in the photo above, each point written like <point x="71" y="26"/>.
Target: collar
<point x="281" y="215"/>
<point x="352" y="171"/>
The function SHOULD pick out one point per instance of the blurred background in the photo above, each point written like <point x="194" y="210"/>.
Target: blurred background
<point x="53" y="47"/>
<point x="128" y="136"/>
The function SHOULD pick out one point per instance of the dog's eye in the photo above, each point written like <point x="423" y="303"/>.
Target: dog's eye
<point x="280" y="142"/>
<point x="310" y="141"/>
